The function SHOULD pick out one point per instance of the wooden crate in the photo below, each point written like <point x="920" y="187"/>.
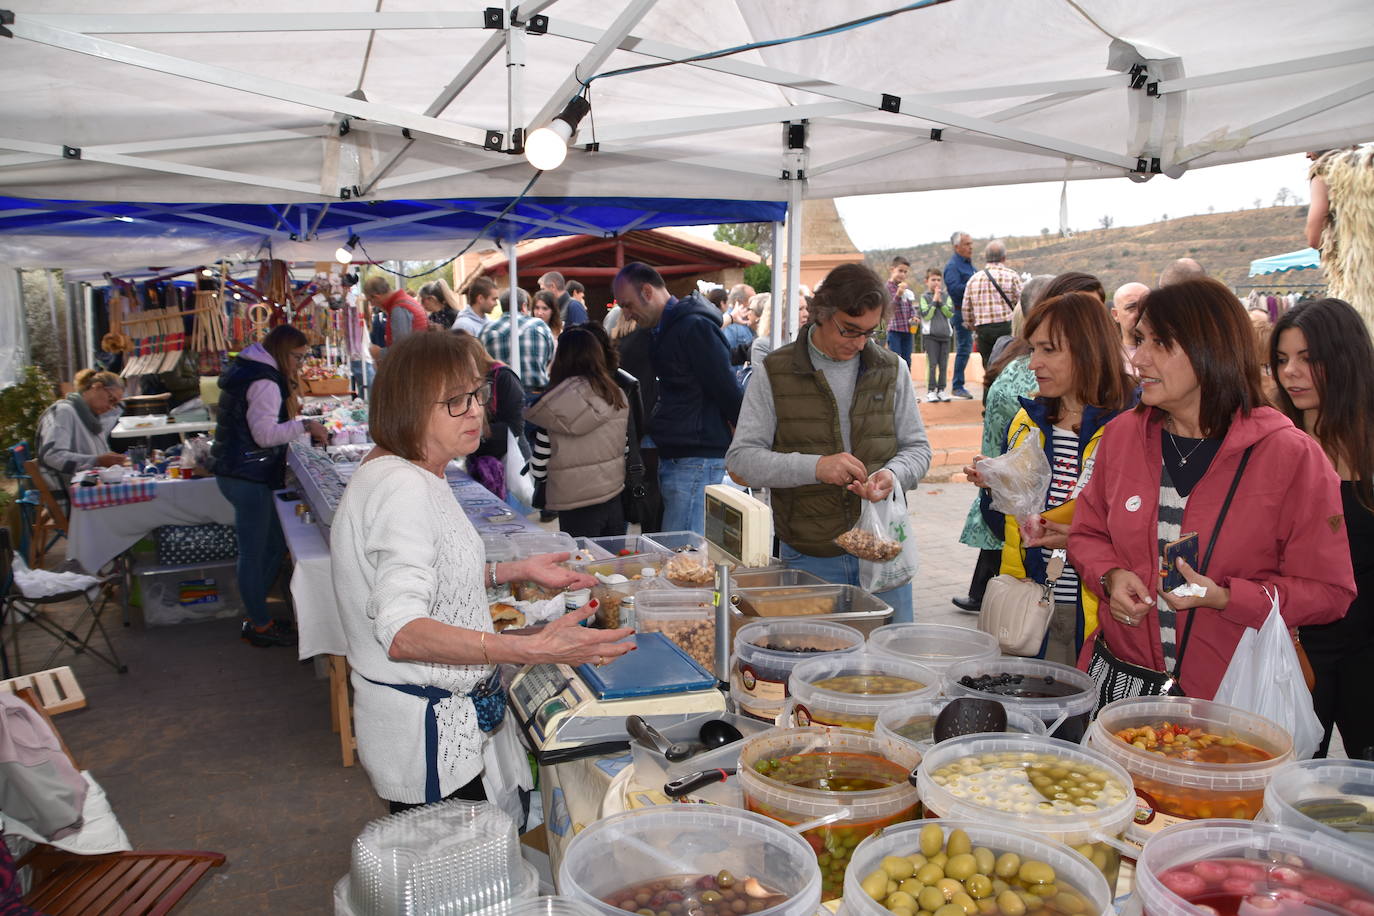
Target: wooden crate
<point x="317" y="386"/>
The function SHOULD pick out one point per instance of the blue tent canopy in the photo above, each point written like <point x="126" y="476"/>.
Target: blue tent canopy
<point x="1293" y="260"/>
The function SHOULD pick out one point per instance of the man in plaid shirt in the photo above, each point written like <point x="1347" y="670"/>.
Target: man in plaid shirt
<point x="989" y="298"/>
<point x="536" y="344"/>
<point x="903" y="313"/>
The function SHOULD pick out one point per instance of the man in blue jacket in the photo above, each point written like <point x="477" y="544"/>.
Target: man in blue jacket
<point x="698" y="399"/>
<point x="957" y="273"/>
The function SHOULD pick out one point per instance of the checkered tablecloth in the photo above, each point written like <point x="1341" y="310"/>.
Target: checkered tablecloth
<point x="104" y="495"/>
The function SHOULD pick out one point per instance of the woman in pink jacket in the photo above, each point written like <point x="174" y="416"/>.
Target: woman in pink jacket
<point x="1164" y="471"/>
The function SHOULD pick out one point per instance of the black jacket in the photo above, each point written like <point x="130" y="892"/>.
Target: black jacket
<point x="505" y="413"/>
<point x="698" y="397"/>
<point x="235" y="453"/>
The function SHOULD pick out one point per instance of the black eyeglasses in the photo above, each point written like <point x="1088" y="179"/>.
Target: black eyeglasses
<point x="855" y="332"/>
<point x="482" y="395"/>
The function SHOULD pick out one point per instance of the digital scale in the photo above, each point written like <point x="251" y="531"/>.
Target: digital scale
<point x="570" y="713"/>
<point x="739" y="526"/>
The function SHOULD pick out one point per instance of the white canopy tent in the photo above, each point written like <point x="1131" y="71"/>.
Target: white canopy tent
<point x="190" y="107"/>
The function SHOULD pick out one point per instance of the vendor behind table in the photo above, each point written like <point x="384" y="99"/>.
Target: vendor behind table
<point x="71" y="436"/>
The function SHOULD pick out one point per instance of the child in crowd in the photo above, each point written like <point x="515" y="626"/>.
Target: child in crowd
<point x="935" y="310"/>
<point x="902" y="316"/>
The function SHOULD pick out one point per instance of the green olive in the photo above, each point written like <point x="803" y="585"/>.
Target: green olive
<point x="998" y="885"/>
<point x="966" y="902"/>
<point x="1044" y="891"/>
<point x="929" y="873"/>
<point x="940" y="858"/>
<point x="1035" y="873"/>
<point x="950" y="909"/>
<point x="875" y="885"/>
<point x="978" y="886"/>
<point x="709" y="897"/>
<point x="986" y="860"/>
<point x="900" y="899"/>
<point x="931" y="898"/>
<point x="1067" y="902"/>
<point x="1100" y="858"/>
<point x="917" y="860"/>
<point x="901" y="911"/>
<point x="911" y="886"/>
<point x="1010" y="904"/>
<point x="960" y="866"/>
<point x="1008" y="864"/>
<point x="948" y="887"/>
<point x="932" y="839"/>
<point x="897" y="868"/>
<point x="725" y="879"/>
<point x="987" y="907"/>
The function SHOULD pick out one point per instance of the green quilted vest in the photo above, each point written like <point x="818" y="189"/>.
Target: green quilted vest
<point x="809" y="518"/>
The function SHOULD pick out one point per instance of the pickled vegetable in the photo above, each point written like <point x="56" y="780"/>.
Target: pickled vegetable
<point x="1182" y="742"/>
<point x="1024" y="783"/>
<point x="720" y="894"/>
<point x="870" y="684"/>
<point x="1240" y="887"/>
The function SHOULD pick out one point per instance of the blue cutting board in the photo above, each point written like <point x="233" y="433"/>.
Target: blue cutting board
<point x="657" y="667"/>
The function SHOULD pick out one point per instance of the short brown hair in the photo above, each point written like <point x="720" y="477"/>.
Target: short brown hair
<point x="850" y="288"/>
<point x="481" y="288"/>
<point x="1079" y="321"/>
<point x="413" y="375"/>
<point x="934" y="272"/>
<point x="1204" y="318"/>
<point x="89" y="377"/>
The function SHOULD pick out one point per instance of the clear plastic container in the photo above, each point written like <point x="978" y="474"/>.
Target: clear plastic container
<point x="836" y="753"/>
<point x="684" y="615"/>
<point x="1171" y="789"/>
<point x="1072" y="873"/>
<point x="1333" y="797"/>
<point x="766" y="652"/>
<point x="773" y="578"/>
<point x="1274" y="868"/>
<point x="850" y="690"/>
<point x="548" y="906"/>
<point x="621" y="546"/>
<point x="953" y="784"/>
<point x="619" y="577"/>
<point x="846" y="604"/>
<point x="935" y="645"/>
<point x="627" y="849"/>
<point x="533" y="543"/>
<point x="914" y="723"/>
<point x="675" y="541"/>
<point x="452" y="857"/>
<point x="523" y="900"/>
<point x="1066" y="716"/>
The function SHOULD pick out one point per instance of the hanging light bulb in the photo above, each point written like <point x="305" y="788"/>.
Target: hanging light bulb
<point x="206" y="272"/>
<point x="547" y="147"/>
<point x="344" y="253"/>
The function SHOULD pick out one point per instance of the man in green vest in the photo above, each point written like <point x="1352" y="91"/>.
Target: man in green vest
<point x="827" y="421"/>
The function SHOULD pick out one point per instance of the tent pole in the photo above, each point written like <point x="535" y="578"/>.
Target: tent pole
<point x="515" y="66"/>
<point x="92" y="345"/>
<point x="512" y="272"/>
<point x="794" y="218"/>
<point x="781" y="315"/>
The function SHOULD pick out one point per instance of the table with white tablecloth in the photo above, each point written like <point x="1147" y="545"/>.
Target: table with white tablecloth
<point x="97" y="536"/>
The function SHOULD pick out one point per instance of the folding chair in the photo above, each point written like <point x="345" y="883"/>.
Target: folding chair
<point x="19" y="608"/>
<point x="109" y="884"/>
<point x="27" y="499"/>
<point x="49" y="517"/>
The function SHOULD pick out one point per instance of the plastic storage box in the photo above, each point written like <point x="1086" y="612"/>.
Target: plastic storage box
<point x="186" y="594"/>
<point x="1071" y="871"/>
<point x="1333" y="797"/>
<point x="951" y="783"/>
<point x="638" y="571"/>
<point x="1066" y="716"/>
<point x="767" y="651"/>
<point x="630" y="848"/>
<point x="1171" y="788"/>
<point x="684" y="615"/>
<point x="850" y="690"/>
<point x="935" y="645"/>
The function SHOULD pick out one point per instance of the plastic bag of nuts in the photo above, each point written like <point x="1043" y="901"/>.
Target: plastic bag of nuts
<point x="867" y="545"/>
<point x="690" y="570"/>
<point x="883" y="544"/>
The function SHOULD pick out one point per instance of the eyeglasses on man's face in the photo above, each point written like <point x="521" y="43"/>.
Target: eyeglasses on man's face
<point x="460" y="404"/>
<point x="848" y="330"/>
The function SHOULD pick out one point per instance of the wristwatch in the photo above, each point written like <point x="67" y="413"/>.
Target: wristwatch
<point x="1102" y="582"/>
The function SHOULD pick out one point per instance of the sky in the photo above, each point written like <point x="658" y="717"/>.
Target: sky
<point x="895" y="220"/>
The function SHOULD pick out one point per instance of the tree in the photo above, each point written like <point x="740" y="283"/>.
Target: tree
<point x="756" y="237"/>
<point x="1045" y="232"/>
<point x="1282" y="197"/>
<point x="1163" y="217"/>
<point x="1106" y="221"/>
<point x="1259" y="202"/>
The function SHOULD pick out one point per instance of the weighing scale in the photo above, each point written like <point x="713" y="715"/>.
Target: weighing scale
<point x="739" y="526"/>
<point x="570" y="713"/>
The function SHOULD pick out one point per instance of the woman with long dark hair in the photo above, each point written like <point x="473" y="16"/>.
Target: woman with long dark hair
<point x="1075" y="355"/>
<point x="1313" y="344"/>
<point x="579" y="446"/>
<point x="1203" y="455"/>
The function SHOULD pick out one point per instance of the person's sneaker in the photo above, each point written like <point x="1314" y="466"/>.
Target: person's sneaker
<point x="963" y="394"/>
<point x="932" y="397"/>
<point x="942" y="396"/>
<point x="274" y="635"/>
<point x="967" y="605"/>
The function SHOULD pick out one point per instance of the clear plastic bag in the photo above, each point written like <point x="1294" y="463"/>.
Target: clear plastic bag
<point x="1018" y="479"/>
<point x="1265" y="678"/>
<point x="883" y="542"/>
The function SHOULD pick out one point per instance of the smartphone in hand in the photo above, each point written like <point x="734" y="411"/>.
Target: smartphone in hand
<point x="1184" y="548"/>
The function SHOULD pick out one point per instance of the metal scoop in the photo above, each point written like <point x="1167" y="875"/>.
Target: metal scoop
<point x="653" y="739"/>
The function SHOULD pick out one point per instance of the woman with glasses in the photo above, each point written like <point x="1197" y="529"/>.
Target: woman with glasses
<point x="257" y="418"/>
<point x="579" y="443"/>
<point x="410" y="579"/>
<point x="71" y="436"/>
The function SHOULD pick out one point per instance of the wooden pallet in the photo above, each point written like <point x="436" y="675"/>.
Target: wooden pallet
<point x="57" y="689"/>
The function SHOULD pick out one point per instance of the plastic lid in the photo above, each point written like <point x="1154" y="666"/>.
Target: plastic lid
<point x="1110" y="817"/>
<point x="530" y="543"/>
<point x="1194" y="841"/>
<point x="1340" y="786"/>
<point x="1216" y="718"/>
<point x="1070" y="869"/>
<point x="1047" y="708"/>
<point x="805" y="684"/>
<point x="681" y="602"/>
<point x="753" y="639"/>
<point x="631" y="566"/>
<point x="894" y="718"/>
<point x="497" y="548"/>
<point x="805" y="803"/>
<point x="935" y="645"/>
<point x="675" y="541"/>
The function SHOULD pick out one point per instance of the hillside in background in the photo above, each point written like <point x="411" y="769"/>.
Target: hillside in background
<point x="1224" y="243"/>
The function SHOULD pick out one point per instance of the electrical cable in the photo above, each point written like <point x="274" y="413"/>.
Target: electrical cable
<point x="466" y="248"/>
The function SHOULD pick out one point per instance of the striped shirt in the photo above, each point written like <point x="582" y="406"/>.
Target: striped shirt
<point x="1168" y="528"/>
<point x="1063" y="478"/>
<point x="903" y="312"/>
<point x="983" y="303"/>
<point x="536" y="348"/>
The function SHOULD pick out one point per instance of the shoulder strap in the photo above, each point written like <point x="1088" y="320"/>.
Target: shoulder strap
<point x="1000" y="292"/>
<point x="1207" y="557"/>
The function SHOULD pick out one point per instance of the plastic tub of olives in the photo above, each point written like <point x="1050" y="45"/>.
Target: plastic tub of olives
<point x="1054" y="789"/>
<point x="948" y="867"/>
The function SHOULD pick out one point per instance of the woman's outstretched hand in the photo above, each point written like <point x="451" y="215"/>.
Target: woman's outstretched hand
<point x="544" y="569"/>
<point x="565" y="641"/>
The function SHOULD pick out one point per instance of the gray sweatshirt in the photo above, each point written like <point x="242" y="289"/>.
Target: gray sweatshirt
<point x="751" y="456"/>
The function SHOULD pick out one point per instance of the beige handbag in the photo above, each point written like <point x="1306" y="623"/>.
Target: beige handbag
<point x="1017" y="611"/>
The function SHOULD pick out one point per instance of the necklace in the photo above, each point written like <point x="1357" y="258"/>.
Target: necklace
<point x="1182" y="458"/>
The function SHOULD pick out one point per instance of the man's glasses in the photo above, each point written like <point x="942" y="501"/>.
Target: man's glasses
<point x="846" y="331"/>
<point x="482" y="395"/>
